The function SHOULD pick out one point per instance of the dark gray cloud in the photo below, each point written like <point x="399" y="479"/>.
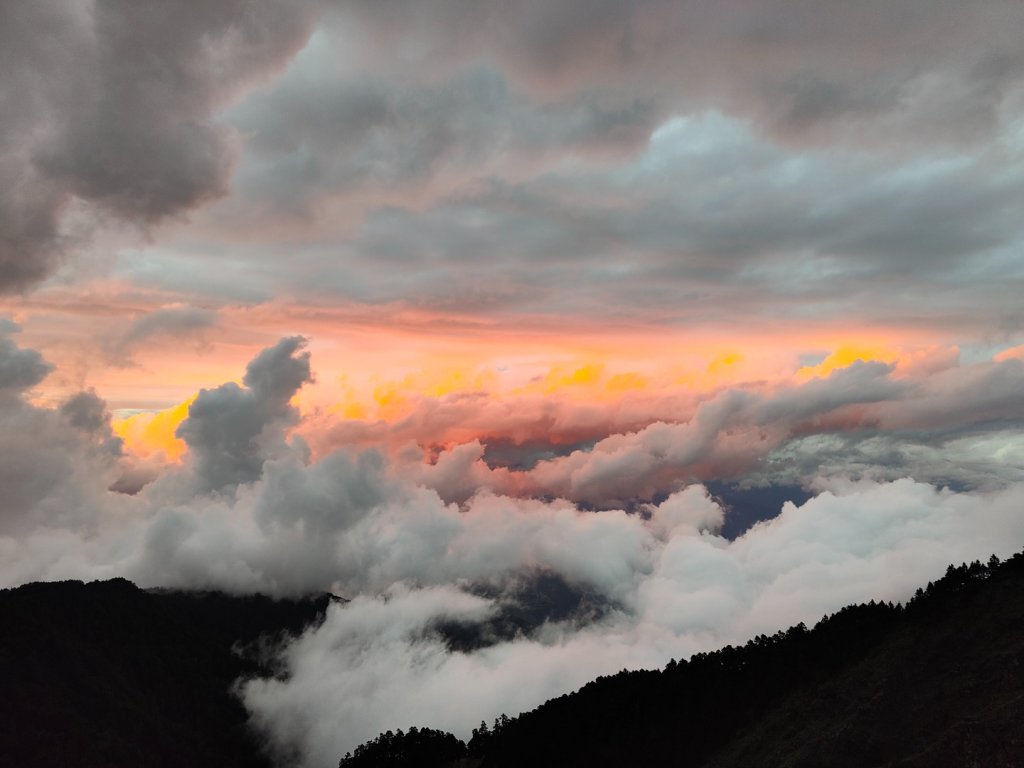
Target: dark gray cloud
<point x="20" y="368"/>
<point x="231" y="430"/>
<point x="117" y="105"/>
<point x="823" y="153"/>
<point x="346" y="132"/>
<point x="866" y="72"/>
<point x="88" y="413"/>
<point x="114" y="104"/>
<point x="56" y="464"/>
<point x="710" y="223"/>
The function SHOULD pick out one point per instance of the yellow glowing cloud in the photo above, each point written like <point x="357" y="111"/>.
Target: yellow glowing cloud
<point x="722" y="369"/>
<point x="561" y="377"/>
<point x="152" y="434"/>
<point x="626" y="382"/>
<point x="581" y="381"/>
<point x="455" y="380"/>
<point x="391" y="402"/>
<point x="392" y="399"/>
<point x="349" y="405"/>
<point x="845" y="356"/>
<point x="724" y="363"/>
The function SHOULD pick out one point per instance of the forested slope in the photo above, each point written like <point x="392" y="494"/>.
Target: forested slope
<point x="939" y="682"/>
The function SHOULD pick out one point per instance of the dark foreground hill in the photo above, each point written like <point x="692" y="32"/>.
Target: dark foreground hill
<point x="106" y="674"/>
<point x="939" y="682"/>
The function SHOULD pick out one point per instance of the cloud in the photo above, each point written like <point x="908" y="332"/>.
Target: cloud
<point x="673" y="164"/>
<point x="491" y="169"/>
<point x="114" y="105"/>
<point x="174" y="322"/>
<point x="231" y="431"/>
<point x="248" y="500"/>
<point x="57" y="463"/>
<point x="376" y="664"/>
<point x="87" y="412"/>
<point x="705" y="222"/>
<point x="348" y="133"/>
<point x="249" y="510"/>
<point x="20" y="368"/>
<point x="758" y="431"/>
<point x="857" y="147"/>
<point x="800" y="69"/>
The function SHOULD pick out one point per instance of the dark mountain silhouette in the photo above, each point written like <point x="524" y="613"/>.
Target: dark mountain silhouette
<point x="106" y="674"/>
<point x="938" y="682"/>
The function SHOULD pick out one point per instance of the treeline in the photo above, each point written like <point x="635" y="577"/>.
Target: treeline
<point x="414" y="748"/>
<point x="938" y="681"/>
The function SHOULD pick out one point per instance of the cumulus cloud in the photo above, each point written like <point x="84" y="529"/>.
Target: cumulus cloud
<point x="231" y="431"/>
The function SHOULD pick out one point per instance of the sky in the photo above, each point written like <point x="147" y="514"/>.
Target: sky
<point x="711" y="311"/>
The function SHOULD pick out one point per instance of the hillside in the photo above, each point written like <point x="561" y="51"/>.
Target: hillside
<point x="939" y="682"/>
<point x="106" y="674"/>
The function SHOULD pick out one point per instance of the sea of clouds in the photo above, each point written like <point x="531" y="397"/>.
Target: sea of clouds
<point x="627" y="522"/>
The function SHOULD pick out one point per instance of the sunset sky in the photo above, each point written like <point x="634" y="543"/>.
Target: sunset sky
<point x="402" y="298"/>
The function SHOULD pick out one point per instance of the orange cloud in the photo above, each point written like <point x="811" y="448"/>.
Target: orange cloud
<point x="1013" y="353"/>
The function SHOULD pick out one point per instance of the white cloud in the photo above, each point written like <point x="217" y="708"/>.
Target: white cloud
<point x="373" y="665"/>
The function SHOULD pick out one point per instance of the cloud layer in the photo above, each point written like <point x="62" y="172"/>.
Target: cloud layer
<point x="420" y="541"/>
<point x="652" y="161"/>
